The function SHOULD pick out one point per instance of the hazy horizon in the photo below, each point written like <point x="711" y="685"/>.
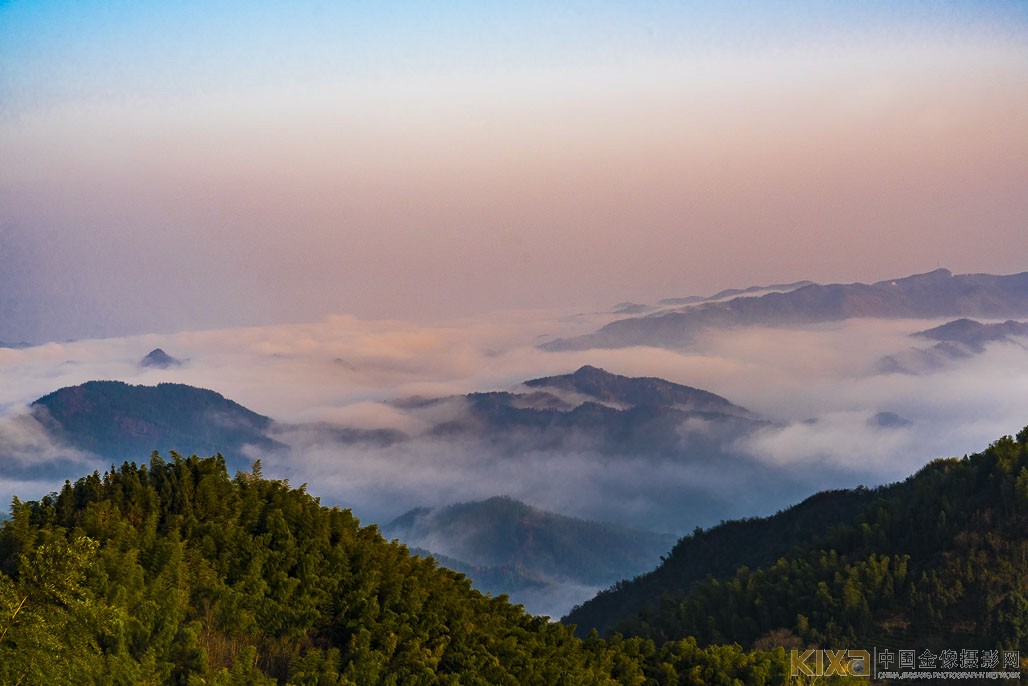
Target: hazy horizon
<point x="175" y="166"/>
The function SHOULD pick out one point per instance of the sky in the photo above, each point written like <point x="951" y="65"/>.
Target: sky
<point x="181" y="166"/>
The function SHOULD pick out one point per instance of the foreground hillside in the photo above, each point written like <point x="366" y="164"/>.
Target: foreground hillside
<point x="176" y="573"/>
<point x="939" y="560"/>
<point x="173" y="572"/>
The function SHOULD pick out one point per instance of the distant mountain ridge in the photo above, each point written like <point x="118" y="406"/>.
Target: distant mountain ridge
<point x="733" y="292"/>
<point x="654" y="447"/>
<point x="936" y="294"/>
<point x="975" y="334"/>
<point x="958" y="339"/>
<point x="618" y="390"/>
<point x="120" y="421"/>
<point x="504" y="531"/>
<point x="113" y="418"/>
<point x="595" y="410"/>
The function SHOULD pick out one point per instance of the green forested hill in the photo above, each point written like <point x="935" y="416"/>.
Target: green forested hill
<point x="718" y="552"/>
<point x="938" y="560"/>
<point x="173" y="572"/>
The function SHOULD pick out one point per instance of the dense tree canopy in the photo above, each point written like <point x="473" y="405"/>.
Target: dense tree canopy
<point x="173" y="572"/>
<point x="938" y="560"/>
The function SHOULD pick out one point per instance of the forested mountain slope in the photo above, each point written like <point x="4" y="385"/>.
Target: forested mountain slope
<point x="175" y="573"/>
<point x="718" y="552"/>
<point x="940" y="559"/>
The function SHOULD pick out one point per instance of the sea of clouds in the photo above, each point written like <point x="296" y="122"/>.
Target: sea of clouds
<point x="818" y="386"/>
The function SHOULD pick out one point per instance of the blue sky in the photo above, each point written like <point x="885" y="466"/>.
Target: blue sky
<point x="71" y="50"/>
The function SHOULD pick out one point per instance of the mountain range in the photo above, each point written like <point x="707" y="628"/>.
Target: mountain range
<point x="611" y="413"/>
<point x="934" y="295"/>
<point x="661" y="451"/>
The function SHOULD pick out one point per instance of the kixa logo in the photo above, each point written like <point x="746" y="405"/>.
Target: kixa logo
<point x="830" y="662"/>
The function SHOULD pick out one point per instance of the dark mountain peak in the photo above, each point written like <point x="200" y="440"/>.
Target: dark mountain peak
<point x="606" y="387"/>
<point x="110" y="393"/>
<point x="507" y="503"/>
<point x="115" y="419"/>
<point x="593" y="380"/>
<point x="955" y="340"/>
<point x="159" y="359"/>
<point x="587" y="370"/>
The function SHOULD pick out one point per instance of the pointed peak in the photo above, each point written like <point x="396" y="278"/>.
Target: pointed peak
<point x="158" y="358"/>
<point x="589" y="370"/>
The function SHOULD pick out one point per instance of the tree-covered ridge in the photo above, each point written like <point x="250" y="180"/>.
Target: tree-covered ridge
<point x="173" y="572"/>
<point x="717" y="552"/>
<point x="938" y="560"/>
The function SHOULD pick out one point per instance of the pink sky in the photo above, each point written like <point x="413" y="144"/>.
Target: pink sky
<point x="428" y="194"/>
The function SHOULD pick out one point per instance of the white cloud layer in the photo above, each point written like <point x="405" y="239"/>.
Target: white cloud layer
<point x="817" y="385"/>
